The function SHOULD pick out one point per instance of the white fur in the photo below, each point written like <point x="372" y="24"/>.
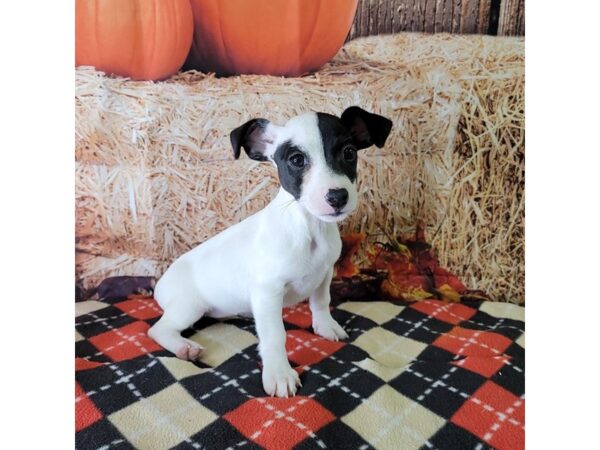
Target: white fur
<point x="275" y="258"/>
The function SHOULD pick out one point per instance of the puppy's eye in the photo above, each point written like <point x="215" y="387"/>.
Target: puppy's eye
<point x="349" y="154"/>
<point x="297" y="160"/>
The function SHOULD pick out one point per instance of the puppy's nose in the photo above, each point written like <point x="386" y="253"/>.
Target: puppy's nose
<point x="337" y="198"/>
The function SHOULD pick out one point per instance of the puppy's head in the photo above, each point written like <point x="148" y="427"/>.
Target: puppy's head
<point x="315" y="155"/>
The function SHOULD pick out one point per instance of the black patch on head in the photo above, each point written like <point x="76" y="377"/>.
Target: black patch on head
<point x="338" y="145"/>
<point x="290" y="176"/>
<point x="366" y="128"/>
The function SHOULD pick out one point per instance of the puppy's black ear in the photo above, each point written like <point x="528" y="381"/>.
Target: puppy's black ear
<point x="366" y="128"/>
<point x="253" y="137"/>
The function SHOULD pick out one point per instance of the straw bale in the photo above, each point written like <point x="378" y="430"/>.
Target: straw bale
<point x="156" y="175"/>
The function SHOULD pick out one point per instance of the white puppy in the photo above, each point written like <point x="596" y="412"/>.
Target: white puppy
<point x="282" y="254"/>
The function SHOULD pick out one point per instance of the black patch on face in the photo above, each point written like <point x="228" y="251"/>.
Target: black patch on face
<point x="290" y="175"/>
<point x="338" y="145"/>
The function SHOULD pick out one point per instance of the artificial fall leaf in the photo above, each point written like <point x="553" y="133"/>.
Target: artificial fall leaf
<point x="448" y="293"/>
<point x="344" y="267"/>
<point x="472" y="294"/>
<point x="392" y="290"/>
<point x="444" y="277"/>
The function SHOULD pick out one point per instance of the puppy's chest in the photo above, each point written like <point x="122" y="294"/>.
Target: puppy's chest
<point x="313" y="267"/>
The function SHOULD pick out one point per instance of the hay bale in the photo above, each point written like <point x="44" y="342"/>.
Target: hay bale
<point x="156" y="176"/>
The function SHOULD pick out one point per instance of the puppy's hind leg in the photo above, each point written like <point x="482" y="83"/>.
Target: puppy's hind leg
<point x="167" y="331"/>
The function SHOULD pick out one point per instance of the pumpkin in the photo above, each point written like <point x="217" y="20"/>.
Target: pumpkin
<point x="272" y="37"/>
<point x="141" y="39"/>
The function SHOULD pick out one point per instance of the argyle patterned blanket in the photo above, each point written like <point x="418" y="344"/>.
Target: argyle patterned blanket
<point x="429" y="374"/>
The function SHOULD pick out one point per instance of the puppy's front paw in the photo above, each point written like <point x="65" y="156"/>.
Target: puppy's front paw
<point x="327" y="327"/>
<point x="280" y="380"/>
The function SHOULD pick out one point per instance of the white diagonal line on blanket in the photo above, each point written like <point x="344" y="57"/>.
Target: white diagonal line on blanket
<point x="334" y="382"/>
<point x="146" y="304"/>
<point x="279" y="415"/>
<point x="466" y="396"/>
<point x="498" y="424"/>
<point x="239" y="444"/>
<point x="130" y="338"/>
<point x="124" y="379"/>
<point x="422" y="321"/>
<point x="467" y="344"/>
<point x="296" y="308"/>
<point x="141" y="398"/>
<point x="391" y="348"/>
<point x="463" y="319"/>
<point x="111" y="444"/>
<point x="306" y="344"/>
<point x="348" y="330"/>
<point x="230" y="381"/>
<point x="460" y="338"/>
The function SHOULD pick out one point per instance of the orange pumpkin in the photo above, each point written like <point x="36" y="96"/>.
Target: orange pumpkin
<point x="274" y="37"/>
<point x="141" y="39"/>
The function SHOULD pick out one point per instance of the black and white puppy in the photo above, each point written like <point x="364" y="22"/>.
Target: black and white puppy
<point x="284" y="253"/>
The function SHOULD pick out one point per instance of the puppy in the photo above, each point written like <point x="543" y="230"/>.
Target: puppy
<point x="282" y="254"/>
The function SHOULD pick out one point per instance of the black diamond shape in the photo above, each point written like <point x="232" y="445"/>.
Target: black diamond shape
<point x="354" y="324"/>
<point x="147" y="380"/>
<point x="512" y="376"/>
<point x="335" y="435"/>
<point x="112" y="393"/>
<point x="418" y="326"/>
<point x="433" y="353"/>
<point x="222" y="390"/>
<point x="85" y="349"/>
<point x="510" y="328"/>
<point x="101" y="434"/>
<point x="101" y="321"/>
<point x="516" y="351"/>
<point x="219" y="434"/>
<point x="453" y="437"/>
<point x="339" y="387"/>
<point x="440" y="387"/>
<point x="350" y="353"/>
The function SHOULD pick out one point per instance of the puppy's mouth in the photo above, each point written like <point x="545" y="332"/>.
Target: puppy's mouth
<point x="335" y="216"/>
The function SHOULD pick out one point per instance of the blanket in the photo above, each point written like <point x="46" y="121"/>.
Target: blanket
<point x="430" y="374"/>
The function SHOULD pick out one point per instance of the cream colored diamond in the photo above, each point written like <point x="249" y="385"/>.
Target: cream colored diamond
<point x="378" y="312"/>
<point x="388" y="348"/>
<point x="78" y="336"/>
<point x="389" y="420"/>
<point x="384" y="372"/>
<point x="221" y="341"/>
<point x="88" y="306"/>
<point x="179" y="368"/>
<point x="521" y="340"/>
<point x="163" y="420"/>
<point x="503" y="310"/>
